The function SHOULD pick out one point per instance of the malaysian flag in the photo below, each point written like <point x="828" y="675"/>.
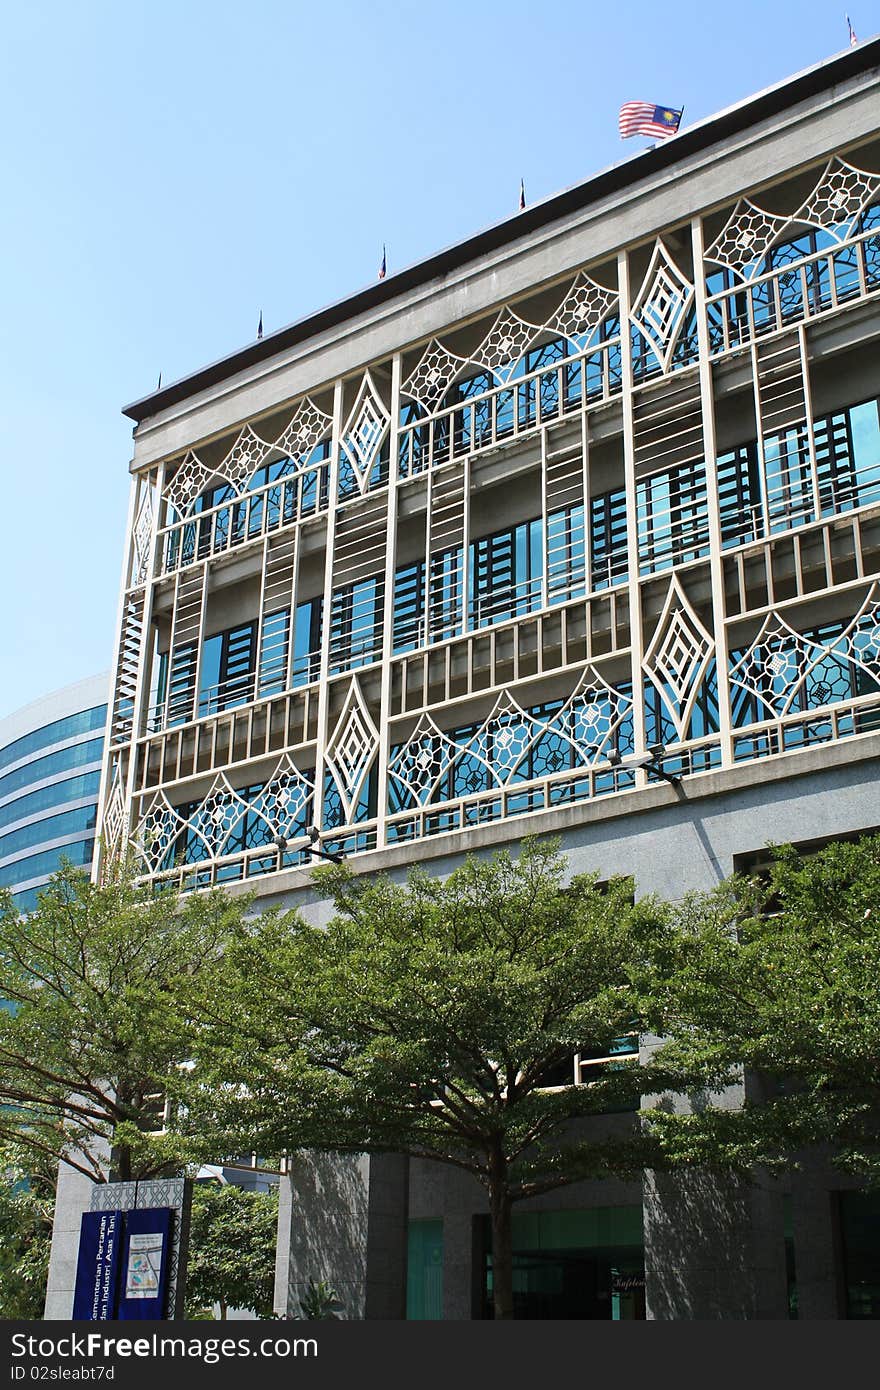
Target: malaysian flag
<point x="383" y="267"/>
<point x="644" y="118"/>
<point x="852" y="33"/>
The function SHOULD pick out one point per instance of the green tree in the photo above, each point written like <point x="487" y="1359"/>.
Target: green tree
<point x="779" y="973"/>
<point x="429" y="1018"/>
<point x="95" y="1031"/>
<point x="27" y="1202"/>
<point x="232" y="1249"/>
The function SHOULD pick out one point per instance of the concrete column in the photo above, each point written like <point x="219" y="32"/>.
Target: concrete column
<point x="816" y="1256"/>
<point x="343" y="1219"/>
<point x="73" y="1196"/>
<point x="714" y="1248"/>
<point x="458" y="1265"/>
<point x="387" y="1237"/>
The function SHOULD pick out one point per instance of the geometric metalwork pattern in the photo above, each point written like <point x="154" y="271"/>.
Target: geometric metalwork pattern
<point x="419" y="765"/>
<point x="114" y="817"/>
<point x="838" y="197"/>
<point x="582" y="310"/>
<point x="142" y="536"/>
<point x="352" y="748"/>
<point x="305" y="432"/>
<point x="834" y="204"/>
<point x="745" y="237"/>
<point x="785" y="670"/>
<point x="679" y="656"/>
<point x="215" y="822"/>
<point x="511" y="744"/>
<point x="505" y="343"/>
<point x="308" y="427"/>
<point x="247" y="454"/>
<point x="662" y="304"/>
<point x="364" y="432"/>
<point x="432" y="377"/>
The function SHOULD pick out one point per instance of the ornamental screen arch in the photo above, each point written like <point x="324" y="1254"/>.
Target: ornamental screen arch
<point x="490" y="570"/>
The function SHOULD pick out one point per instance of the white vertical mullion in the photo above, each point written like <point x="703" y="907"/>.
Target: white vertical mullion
<point x="710" y="452"/>
<point x="632" y="533"/>
<point x="261" y="615"/>
<point x="324" y="670"/>
<point x="759" y="430"/>
<point x="808" y="424"/>
<point x="545" y="526"/>
<point x="107" y="761"/>
<point x="200" y="641"/>
<point x="388" y="608"/>
<point x="585" y="484"/>
<point x="294" y="594"/>
<point x="465" y="539"/>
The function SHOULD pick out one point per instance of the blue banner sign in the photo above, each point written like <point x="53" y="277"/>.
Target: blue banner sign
<point x="97" y="1269"/>
<point x="145" y="1263"/>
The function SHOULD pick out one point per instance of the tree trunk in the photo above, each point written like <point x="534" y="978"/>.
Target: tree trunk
<point x="222" y="1309"/>
<point x="502" y="1242"/>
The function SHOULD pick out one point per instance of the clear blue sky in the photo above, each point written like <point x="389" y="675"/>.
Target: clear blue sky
<point x="170" y="169"/>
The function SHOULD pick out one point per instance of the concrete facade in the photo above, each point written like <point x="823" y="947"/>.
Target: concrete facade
<point x="475" y="553"/>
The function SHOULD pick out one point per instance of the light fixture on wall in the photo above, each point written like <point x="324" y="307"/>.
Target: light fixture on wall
<point x="312" y="839"/>
<point x="652" y="760"/>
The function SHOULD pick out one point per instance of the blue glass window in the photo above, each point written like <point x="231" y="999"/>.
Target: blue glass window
<point x="47" y="798"/>
<point x="57" y="732"/>
<point x="52" y="828"/>
<point x="43" y="864"/>
<point x="65" y="760"/>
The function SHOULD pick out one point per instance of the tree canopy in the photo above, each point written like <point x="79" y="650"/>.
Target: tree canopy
<point x="231" y="1249"/>
<point x="437" y="1018"/>
<point x="93" y="1036"/>
<point x="27" y="1204"/>
<point x="778" y="972"/>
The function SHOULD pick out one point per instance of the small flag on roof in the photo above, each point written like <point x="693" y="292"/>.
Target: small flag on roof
<point x="644" y="118"/>
<point x="522" y="195"/>
<point x="260" y="326"/>
<point x="852" y="33"/>
<point x="383" y="267"/>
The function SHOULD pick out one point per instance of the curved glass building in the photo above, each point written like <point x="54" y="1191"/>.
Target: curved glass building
<point x="50" y="763"/>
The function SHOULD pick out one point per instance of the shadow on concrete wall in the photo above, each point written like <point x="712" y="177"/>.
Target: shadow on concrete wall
<point x="328" y="1229"/>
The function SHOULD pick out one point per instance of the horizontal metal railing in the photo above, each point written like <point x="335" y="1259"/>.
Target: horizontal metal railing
<point x="505" y="412"/>
<point x="794" y="293"/>
<point x="249" y="517"/>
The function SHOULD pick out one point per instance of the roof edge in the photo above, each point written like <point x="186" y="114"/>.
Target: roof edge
<point x="791" y="90"/>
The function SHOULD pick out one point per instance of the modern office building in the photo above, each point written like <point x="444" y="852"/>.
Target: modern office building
<point x="50" y="772"/>
<point x="497" y="546"/>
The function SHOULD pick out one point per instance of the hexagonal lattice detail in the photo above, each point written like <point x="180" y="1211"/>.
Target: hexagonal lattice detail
<point x="592" y="716"/>
<point x="283" y="799"/>
<point x="504" y="739"/>
<point x="156" y="831"/>
<point x="584" y="307"/>
<point x="305" y="432"/>
<point x="432" y="377"/>
<point x="364" y="431"/>
<point x="679" y="656"/>
<point x="745" y="238"/>
<point x="838" y="197"/>
<point x="189" y="481"/>
<point x="352" y="748"/>
<point x="662" y="305"/>
<point x="505" y="343"/>
<point x="773" y="668"/>
<point x="244" y="458"/>
<point x="420" y="763"/>
<point x="217" y="816"/>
